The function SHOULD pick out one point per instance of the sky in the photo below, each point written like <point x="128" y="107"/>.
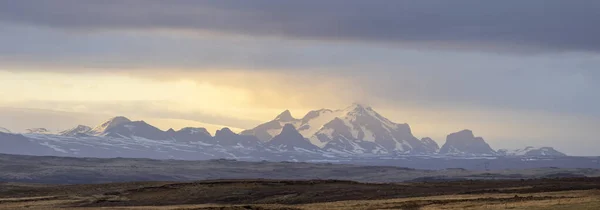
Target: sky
<point x="517" y="73"/>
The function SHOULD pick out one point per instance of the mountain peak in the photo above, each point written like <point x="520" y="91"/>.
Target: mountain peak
<point x="224" y="132"/>
<point x="289" y="132"/>
<point x="80" y="129"/>
<point x="111" y="123"/>
<point x="119" y="119"/>
<point x="226" y="137"/>
<point x="285" y="116"/>
<point x="190" y="134"/>
<point x="357" y="107"/>
<point x="289" y="128"/>
<point x="291" y="140"/>
<point x="464" y="134"/>
<point x="191" y="130"/>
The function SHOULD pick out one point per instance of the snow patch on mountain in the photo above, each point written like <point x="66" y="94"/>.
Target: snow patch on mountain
<point x="111" y="123"/>
<point x="190" y="135"/>
<point x="266" y="131"/>
<point x="313" y="121"/>
<point x="79" y="130"/>
<point x="291" y="140"/>
<point x="342" y="145"/>
<point x="135" y="129"/>
<point x="4" y="130"/>
<point x="531" y="151"/>
<point x="38" y="131"/>
<point x="193" y="131"/>
<point x="359" y="123"/>
<point x="431" y="145"/>
<point x="310" y="124"/>
<point x="54" y="147"/>
<point x="285" y="116"/>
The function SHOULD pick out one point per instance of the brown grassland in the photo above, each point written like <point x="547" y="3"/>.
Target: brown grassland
<point x="564" y="193"/>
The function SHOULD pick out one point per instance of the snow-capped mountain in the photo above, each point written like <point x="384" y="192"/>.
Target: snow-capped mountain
<point x="532" y="151"/>
<point x="37" y="130"/>
<point x="465" y="143"/>
<point x="113" y="122"/>
<point x="355" y="129"/>
<point x="4" y="130"/>
<point x="76" y="131"/>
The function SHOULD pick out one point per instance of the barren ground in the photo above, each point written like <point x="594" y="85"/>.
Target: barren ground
<point x="564" y="193"/>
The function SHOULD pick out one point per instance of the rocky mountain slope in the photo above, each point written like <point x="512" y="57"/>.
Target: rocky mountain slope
<point x="431" y="145"/>
<point x="291" y="140"/>
<point x="76" y="131"/>
<point x="465" y="143"/>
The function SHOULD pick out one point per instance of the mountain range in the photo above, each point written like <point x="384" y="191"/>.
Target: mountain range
<point x="357" y="131"/>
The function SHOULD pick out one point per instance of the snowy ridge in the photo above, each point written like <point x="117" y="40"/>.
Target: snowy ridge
<point x="38" y="131"/>
<point x="79" y="130"/>
<point x="111" y="123"/>
<point x="4" y="130"/>
<point x="193" y="131"/>
<point x="431" y="144"/>
<point x="531" y="151"/>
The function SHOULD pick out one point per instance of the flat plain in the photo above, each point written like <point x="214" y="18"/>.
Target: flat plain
<point x="559" y="193"/>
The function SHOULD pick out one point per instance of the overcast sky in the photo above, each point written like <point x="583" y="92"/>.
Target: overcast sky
<point x="516" y="72"/>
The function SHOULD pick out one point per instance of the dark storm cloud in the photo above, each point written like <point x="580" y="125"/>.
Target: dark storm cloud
<point x="539" y="24"/>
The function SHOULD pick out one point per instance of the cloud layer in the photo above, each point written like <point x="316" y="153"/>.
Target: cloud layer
<point x="526" y="70"/>
<point x="536" y="24"/>
<point x="317" y="74"/>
